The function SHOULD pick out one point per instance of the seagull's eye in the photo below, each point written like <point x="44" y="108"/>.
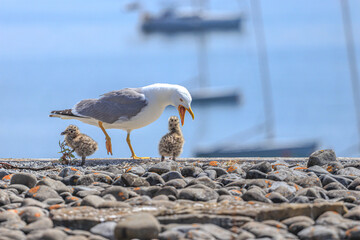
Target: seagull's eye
<point x="181" y="100"/>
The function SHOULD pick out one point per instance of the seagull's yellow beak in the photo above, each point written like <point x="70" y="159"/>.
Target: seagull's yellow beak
<point x="182" y="111"/>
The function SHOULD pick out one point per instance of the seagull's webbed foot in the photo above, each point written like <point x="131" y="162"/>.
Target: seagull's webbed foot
<point x="133" y="155"/>
<point x="139" y="158"/>
<point x="108" y="146"/>
<point x="108" y="139"/>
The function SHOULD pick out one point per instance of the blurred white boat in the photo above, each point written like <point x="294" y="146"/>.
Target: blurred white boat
<point x="205" y="96"/>
<point x="171" y="21"/>
<point x="300" y="149"/>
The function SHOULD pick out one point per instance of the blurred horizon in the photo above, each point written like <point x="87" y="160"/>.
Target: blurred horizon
<point x="56" y="53"/>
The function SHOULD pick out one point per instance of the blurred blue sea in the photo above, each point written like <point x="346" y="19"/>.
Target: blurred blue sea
<point x="55" y="53"/>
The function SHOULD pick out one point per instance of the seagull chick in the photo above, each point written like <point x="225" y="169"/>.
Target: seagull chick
<point x="129" y="109"/>
<point x="81" y="143"/>
<point x="171" y="144"/>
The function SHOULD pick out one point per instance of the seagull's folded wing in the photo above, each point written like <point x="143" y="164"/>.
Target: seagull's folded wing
<point x="113" y="106"/>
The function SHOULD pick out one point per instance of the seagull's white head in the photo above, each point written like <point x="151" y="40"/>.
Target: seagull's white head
<point x="181" y="99"/>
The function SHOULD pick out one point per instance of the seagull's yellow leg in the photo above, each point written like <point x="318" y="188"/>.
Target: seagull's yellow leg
<point x="133" y="155"/>
<point x="108" y="139"/>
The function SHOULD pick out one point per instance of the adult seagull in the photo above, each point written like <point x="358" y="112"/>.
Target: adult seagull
<point x="129" y="109"/>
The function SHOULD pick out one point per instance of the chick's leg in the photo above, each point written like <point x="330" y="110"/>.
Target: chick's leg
<point x="83" y="160"/>
<point x="133" y="155"/>
<point x="108" y="139"/>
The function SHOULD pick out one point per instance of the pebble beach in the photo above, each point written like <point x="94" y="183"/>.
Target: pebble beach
<point x="310" y="198"/>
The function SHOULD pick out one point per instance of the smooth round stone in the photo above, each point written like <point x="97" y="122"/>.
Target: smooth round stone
<point x="31" y="214"/>
<point x="4" y="198"/>
<point x="318" y="232"/>
<point x="167" y="191"/>
<point x="203" y="180"/>
<point x="26" y="179"/>
<point x="176" y="183"/>
<point x="68" y="171"/>
<point x="19" y="187"/>
<point x="164" y="167"/>
<point x="255" y="174"/>
<point x="209" y="173"/>
<point x="113" y="204"/>
<point x="120" y="193"/>
<point x="102" y="178"/>
<point x="276" y="197"/>
<point x="171" y="175"/>
<point x="58" y="186"/>
<point x="321" y="157"/>
<point x="40" y="224"/>
<point x="219" y="171"/>
<point x="255" y="194"/>
<point x="33" y="202"/>
<point x="132" y="180"/>
<point x="155" y="179"/>
<point x="198" y="194"/>
<point x="11" y="234"/>
<point x="334" y="186"/>
<point x="353" y="233"/>
<point x="42" y="193"/>
<point x="349" y="171"/>
<point x="105" y="229"/>
<point x="191" y="171"/>
<point x="92" y="201"/>
<point x="139" y="226"/>
<point x="263" y="167"/>
<point x="138" y="170"/>
<point x="53" y="234"/>
<point x="85" y="180"/>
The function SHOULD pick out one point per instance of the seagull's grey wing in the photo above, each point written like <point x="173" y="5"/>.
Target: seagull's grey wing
<point x="122" y="104"/>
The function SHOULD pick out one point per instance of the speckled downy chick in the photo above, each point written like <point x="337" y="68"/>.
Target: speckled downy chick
<point x="171" y="144"/>
<point x="81" y="143"/>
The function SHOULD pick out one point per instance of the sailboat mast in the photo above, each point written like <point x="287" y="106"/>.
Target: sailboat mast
<point x="350" y="47"/>
<point x="263" y="68"/>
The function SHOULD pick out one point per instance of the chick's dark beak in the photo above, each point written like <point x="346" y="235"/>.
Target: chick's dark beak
<point x="63" y="133"/>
